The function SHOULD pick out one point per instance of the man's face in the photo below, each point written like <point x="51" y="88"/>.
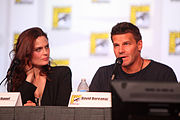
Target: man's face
<point x="125" y="46"/>
<point x="41" y="52"/>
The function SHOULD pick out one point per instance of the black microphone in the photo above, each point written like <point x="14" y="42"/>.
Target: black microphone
<point x="14" y="64"/>
<point x="118" y="64"/>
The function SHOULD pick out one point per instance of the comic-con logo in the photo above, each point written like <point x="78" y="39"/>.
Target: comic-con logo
<point x="60" y="62"/>
<point x="75" y="99"/>
<point x="62" y="17"/>
<point x="99" y="44"/>
<point x="16" y="35"/>
<point x="24" y="1"/>
<point x="140" y="16"/>
<point x="174" y="43"/>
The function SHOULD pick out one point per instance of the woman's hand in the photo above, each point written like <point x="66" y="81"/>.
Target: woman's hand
<point x="29" y="103"/>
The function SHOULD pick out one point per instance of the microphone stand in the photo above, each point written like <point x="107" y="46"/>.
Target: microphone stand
<point x="10" y="74"/>
<point x="115" y="71"/>
<point x="3" y="80"/>
<point x="9" y="82"/>
<point x="118" y="64"/>
<point x="113" y="76"/>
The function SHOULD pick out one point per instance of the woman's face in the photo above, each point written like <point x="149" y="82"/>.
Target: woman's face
<point x="40" y="55"/>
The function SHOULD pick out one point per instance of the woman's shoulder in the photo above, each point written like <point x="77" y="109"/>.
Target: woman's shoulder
<point x="59" y="72"/>
<point x="60" y="68"/>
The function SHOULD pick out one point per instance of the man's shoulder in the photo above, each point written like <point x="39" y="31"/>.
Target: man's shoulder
<point x="159" y="65"/>
<point x="107" y="67"/>
<point x="163" y="70"/>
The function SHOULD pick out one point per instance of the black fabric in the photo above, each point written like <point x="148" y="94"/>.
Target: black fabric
<point x="57" y="89"/>
<point x="155" y="71"/>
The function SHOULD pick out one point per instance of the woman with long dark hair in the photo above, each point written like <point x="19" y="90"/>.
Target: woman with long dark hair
<point x="34" y="78"/>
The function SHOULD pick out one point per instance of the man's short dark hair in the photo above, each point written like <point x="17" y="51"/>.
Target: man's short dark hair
<point x="126" y="27"/>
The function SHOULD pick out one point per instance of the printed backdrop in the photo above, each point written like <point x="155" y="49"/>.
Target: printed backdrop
<point x="79" y="31"/>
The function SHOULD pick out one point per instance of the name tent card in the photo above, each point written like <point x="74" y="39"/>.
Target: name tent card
<point x="10" y="99"/>
<point x="90" y="99"/>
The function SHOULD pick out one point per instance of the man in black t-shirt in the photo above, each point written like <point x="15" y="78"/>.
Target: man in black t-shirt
<point x="127" y="44"/>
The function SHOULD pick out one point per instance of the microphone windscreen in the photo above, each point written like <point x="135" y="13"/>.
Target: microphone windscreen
<point x="16" y="61"/>
<point x="119" y="60"/>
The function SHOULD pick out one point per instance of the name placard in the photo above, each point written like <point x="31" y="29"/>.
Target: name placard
<point x="10" y="99"/>
<point x="90" y="99"/>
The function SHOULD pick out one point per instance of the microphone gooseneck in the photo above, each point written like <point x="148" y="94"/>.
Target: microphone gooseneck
<point x="15" y="63"/>
<point x="13" y="66"/>
<point x="118" y="64"/>
<point x="10" y="71"/>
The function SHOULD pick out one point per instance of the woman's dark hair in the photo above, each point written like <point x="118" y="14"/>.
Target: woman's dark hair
<point x="126" y="27"/>
<point x="22" y="51"/>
